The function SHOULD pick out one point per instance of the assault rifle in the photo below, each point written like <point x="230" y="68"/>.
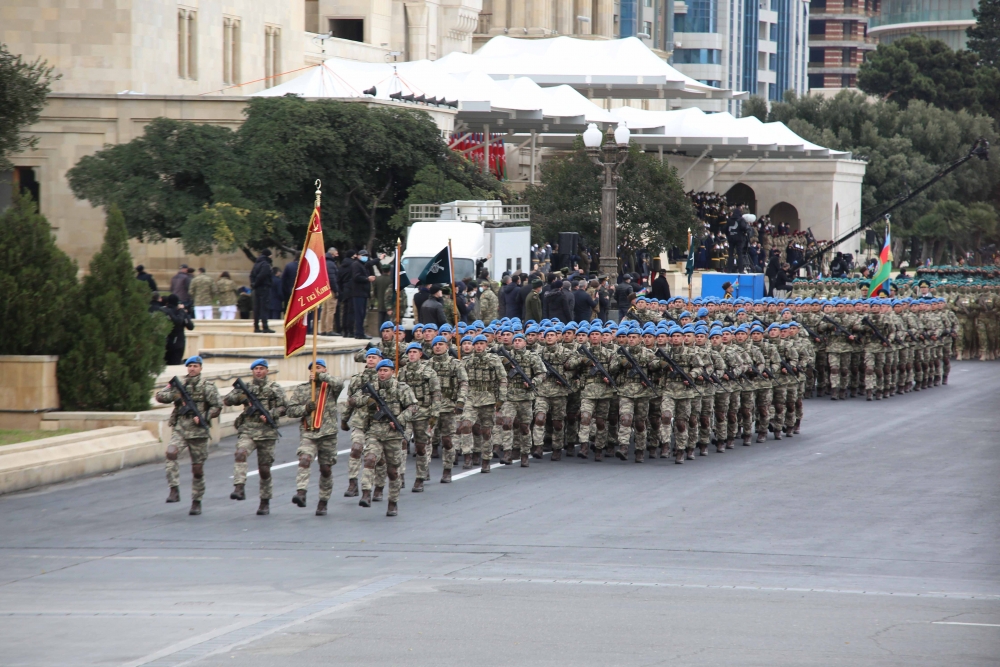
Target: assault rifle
<point x="815" y="336"/>
<point x="791" y="370"/>
<point x="189" y="407"/>
<point x="515" y="368"/>
<point x="636" y="368"/>
<point x="384" y="411"/>
<point x="675" y="367"/>
<point x="598" y="367"/>
<point x="255" y="407"/>
<point x="551" y="370"/>
<point x="878" y="334"/>
<point x="841" y="330"/>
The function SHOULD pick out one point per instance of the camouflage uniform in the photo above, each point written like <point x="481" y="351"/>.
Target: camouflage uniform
<point x="489" y="305"/>
<point x="703" y="408"/>
<point x="254" y="434"/>
<point x="677" y="403"/>
<point x="595" y="398"/>
<point x="550" y="401"/>
<point x="225" y="292"/>
<point x="786" y="420"/>
<point x="318" y="443"/>
<point x="420" y="377"/>
<point x="633" y="399"/>
<point x="838" y="352"/>
<point x="355" y="420"/>
<point x="487" y="392"/>
<point x="765" y="392"/>
<point x="727" y="400"/>
<point x="454" y="394"/>
<point x="202" y="291"/>
<point x="517" y="413"/>
<point x="188" y="434"/>
<point x="757" y="384"/>
<point x="382" y="441"/>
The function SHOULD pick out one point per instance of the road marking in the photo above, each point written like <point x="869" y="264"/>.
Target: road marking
<point x="979" y="625"/>
<point x="492" y="466"/>
<point x="214" y="644"/>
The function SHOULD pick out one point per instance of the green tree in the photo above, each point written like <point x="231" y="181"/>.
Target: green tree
<point x="756" y="106"/>
<point x="653" y="211"/>
<point x="23" y="88"/>
<point x="917" y="68"/>
<point x="118" y="346"/>
<point x="984" y="37"/>
<point x="37" y="281"/>
<point x="217" y="190"/>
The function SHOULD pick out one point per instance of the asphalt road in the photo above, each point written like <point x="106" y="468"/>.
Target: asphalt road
<point x="871" y="539"/>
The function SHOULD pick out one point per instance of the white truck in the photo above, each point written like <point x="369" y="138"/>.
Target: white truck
<point x="487" y="231"/>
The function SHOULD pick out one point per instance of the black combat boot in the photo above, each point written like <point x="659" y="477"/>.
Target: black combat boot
<point x="299" y="498"/>
<point x="239" y="492"/>
<point x="175" y="495"/>
<point x="265" y="507"/>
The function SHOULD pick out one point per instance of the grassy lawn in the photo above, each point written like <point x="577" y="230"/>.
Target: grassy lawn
<point x="12" y="436"/>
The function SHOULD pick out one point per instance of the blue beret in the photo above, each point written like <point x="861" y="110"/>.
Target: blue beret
<point x="319" y="362"/>
<point x="467" y="339"/>
<point x="479" y="339"/>
<point x="518" y="335"/>
<point x="197" y="360"/>
<point x="445" y="328"/>
<point x="385" y="325"/>
<point x="532" y="329"/>
<point x="385" y="363"/>
<point x="684" y="314"/>
<point x="439" y="339"/>
<point x="259" y="362"/>
<point x="414" y="346"/>
<point x="373" y="350"/>
<point x="702" y="312"/>
<point x="715" y="332"/>
<point x="783" y="326"/>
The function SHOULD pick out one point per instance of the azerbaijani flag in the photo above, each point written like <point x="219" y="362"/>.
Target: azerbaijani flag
<point x="881" y="278"/>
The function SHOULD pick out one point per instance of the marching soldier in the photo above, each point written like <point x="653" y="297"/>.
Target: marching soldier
<point x="454" y="394"/>
<point x="317" y="432"/>
<point x="383" y="439"/>
<point x="518" y="408"/>
<point x="255" y="433"/>
<point x="551" y="395"/>
<point x="487" y="394"/>
<point x="595" y="396"/>
<point x="189" y="431"/>
<point x="353" y="420"/>
<point x="633" y="394"/>
<point x="420" y="377"/>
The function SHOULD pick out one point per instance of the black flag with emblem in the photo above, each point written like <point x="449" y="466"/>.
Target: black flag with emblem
<point x="438" y="270"/>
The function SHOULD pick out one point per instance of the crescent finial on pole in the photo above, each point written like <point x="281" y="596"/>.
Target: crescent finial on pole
<point x="319" y="190"/>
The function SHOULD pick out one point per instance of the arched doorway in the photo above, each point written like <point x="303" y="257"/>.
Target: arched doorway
<point x="783" y="212"/>
<point x="742" y="194"/>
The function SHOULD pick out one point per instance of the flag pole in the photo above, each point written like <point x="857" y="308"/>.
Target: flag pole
<point x="690" y="276"/>
<point x="454" y="295"/>
<point x="312" y="383"/>
<point x="395" y="329"/>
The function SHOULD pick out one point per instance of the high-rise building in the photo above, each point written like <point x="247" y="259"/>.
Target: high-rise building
<point x="946" y="20"/>
<point x="840" y="36"/>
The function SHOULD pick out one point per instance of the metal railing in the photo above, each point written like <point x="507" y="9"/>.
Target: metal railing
<point x="926" y="16"/>
<point x="497" y="215"/>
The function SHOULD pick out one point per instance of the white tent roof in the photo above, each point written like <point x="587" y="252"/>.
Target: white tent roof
<point x="619" y="68"/>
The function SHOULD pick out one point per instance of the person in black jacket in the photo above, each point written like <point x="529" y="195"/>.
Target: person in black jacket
<point x="771" y="272"/>
<point x="277" y="300"/>
<point x="622" y="290"/>
<point x="345" y="305"/>
<point x="260" y="281"/>
<point x="660" y="287"/>
<point x="288" y="281"/>
<point x="423" y="293"/>
<point x="181" y="320"/>
<point x="583" y="303"/>
<point x="560" y="302"/>
<point x="362" y="276"/>
<point x="508" y="297"/>
<point x="432" y="309"/>
<point x="140" y="274"/>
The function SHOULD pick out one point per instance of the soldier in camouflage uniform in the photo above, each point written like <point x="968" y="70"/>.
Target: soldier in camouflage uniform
<point x="678" y="396"/>
<point x="202" y="291"/>
<point x="756" y="382"/>
<point x="254" y="433"/>
<point x="807" y="358"/>
<point x="838" y="346"/>
<point x="704" y="409"/>
<point x="769" y="375"/>
<point x="354" y="420"/>
<point x="518" y="410"/>
<point x="633" y="395"/>
<point x="550" y="397"/>
<point x="382" y="440"/>
<point x="454" y="394"/>
<point x="316" y="440"/>
<point x="386" y="346"/>
<point x="727" y="400"/>
<point x="790" y="352"/>
<point x="420" y="377"/>
<point x="489" y="304"/>
<point x="189" y="432"/>
<point x="487" y="393"/>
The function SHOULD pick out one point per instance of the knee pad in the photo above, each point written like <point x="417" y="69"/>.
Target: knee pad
<point x="465" y="428"/>
<point x="640" y="426"/>
<point x="745" y="412"/>
<point x="506" y="423"/>
<point x="693" y="421"/>
<point x="421" y="448"/>
<point x="446" y="441"/>
<point x="325" y="470"/>
<point x="704" y="421"/>
<point x="557" y="424"/>
<point x="477" y="429"/>
<point x="356" y="451"/>
<point x="682" y="426"/>
<point x="265" y="472"/>
<point x="601" y="423"/>
<point x="625" y="420"/>
<point x="585" y="418"/>
<point x="392" y="473"/>
<point x="655" y="421"/>
<point x="539" y="419"/>
<point x="720" y="416"/>
<point x="732" y="417"/>
<point x="171" y="454"/>
<point x="305" y="461"/>
<point x="666" y="415"/>
<point x="370" y="461"/>
<point x="798" y="403"/>
<point x="241" y="455"/>
<point x="198" y="470"/>
<point x="486" y="433"/>
<point x="525" y="429"/>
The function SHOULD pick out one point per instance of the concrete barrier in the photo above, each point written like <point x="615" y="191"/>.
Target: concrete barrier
<point x="67" y="457"/>
<point x="28" y="388"/>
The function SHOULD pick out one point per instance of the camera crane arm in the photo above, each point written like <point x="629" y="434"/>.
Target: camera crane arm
<point x="980" y="149"/>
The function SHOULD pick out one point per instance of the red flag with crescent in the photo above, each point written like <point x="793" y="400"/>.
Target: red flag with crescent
<point x="312" y="286"/>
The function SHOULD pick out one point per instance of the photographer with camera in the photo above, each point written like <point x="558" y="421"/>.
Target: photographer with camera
<point x="738" y="233"/>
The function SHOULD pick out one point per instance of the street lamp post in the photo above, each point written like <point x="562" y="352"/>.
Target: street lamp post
<point x="615" y="151"/>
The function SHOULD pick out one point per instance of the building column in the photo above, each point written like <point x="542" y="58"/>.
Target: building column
<point x="500" y="21"/>
<point x="604" y="23"/>
<point x="518" y="16"/>
<point x="565" y="18"/>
